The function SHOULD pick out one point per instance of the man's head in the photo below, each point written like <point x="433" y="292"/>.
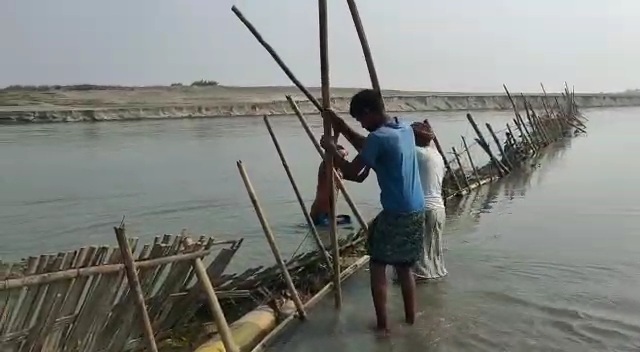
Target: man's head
<point x="368" y="108"/>
<point x="423" y="133"/>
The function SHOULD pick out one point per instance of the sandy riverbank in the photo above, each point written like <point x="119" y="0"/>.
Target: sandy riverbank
<point x="131" y="103"/>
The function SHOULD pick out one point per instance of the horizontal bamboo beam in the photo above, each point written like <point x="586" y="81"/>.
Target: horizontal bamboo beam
<point x="95" y="270"/>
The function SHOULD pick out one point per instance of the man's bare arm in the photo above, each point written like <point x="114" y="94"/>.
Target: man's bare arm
<point x="356" y="139"/>
<point x="354" y="170"/>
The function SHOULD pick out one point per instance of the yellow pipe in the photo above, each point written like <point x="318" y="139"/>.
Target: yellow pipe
<point x="249" y="330"/>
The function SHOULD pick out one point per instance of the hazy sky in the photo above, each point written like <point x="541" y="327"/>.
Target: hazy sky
<point x="444" y="45"/>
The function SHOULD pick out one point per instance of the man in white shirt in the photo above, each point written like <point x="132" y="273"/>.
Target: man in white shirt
<point x="432" y="170"/>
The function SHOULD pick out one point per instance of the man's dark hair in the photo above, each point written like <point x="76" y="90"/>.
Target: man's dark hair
<point x="366" y="101"/>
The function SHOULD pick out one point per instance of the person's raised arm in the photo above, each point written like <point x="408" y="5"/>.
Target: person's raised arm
<point x="340" y="125"/>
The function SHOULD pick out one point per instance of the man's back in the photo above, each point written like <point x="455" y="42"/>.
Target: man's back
<point x="390" y="151"/>
<point x="432" y="171"/>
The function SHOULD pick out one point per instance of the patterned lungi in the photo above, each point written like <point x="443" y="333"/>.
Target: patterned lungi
<point x="396" y="238"/>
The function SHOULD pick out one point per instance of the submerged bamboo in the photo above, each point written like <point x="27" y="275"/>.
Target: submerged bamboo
<point x="271" y="240"/>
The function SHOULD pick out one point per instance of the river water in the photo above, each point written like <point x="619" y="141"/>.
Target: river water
<point x="546" y="261"/>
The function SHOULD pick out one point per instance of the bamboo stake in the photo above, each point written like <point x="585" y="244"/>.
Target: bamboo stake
<point x="134" y="284"/>
<point x="512" y="142"/>
<point x="444" y="158"/>
<point x="526" y="134"/>
<point x="276" y="57"/>
<point x="502" y="170"/>
<point x="500" y="149"/>
<point x="271" y="240"/>
<point x="473" y="165"/>
<point x="464" y="176"/>
<point x="534" y="129"/>
<point x="347" y="197"/>
<point x="364" y="43"/>
<point x="328" y="157"/>
<point x="214" y="305"/>
<point x="305" y="212"/>
<point x="546" y="134"/>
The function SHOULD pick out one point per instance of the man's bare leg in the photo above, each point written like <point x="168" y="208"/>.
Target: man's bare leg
<point x="408" y="287"/>
<point x="379" y="294"/>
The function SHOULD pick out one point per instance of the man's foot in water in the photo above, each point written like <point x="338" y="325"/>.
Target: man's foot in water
<point x="380" y="331"/>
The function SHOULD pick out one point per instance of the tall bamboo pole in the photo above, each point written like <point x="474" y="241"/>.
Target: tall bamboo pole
<point x="328" y="157"/>
<point x="364" y="43"/>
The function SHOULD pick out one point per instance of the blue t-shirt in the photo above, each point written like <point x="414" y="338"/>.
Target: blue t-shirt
<point x="391" y="152"/>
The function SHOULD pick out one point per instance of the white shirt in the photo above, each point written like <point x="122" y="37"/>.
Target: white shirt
<point x="432" y="171"/>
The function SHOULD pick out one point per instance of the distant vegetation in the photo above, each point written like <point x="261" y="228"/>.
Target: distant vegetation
<point x="204" y="83"/>
<point x="86" y="87"/>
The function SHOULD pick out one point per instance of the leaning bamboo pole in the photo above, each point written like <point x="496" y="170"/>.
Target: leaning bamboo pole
<point x="214" y="305"/>
<point x="305" y="212"/>
<point x="276" y="57"/>
<point x="134" y="284"/>
<point x="364" y="43"/>
<point x="328" y="156"/>
<point x="271" y="240"/>
<point x="473" y="165"/>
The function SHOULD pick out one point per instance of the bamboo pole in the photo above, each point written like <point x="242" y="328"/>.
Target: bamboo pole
<point x="473" y="165"/>
<point x="271" y="240"/>
<point x="502" y="170"/>
<point x="535" y="131"/>
<point x="276" y="57"/>
<point x="134" y="284"/>
<point x="512" y="141"/>
<point x="464" y="176"/>
<point x="214" y="305"/>
<point x="525" y="132"/>
<point x="347" y="197"/>
<point x="46" y="278"/>
<point x="447" y="164"/>
<point x="500" y="149"/>
<point x="364" y="43"/>
<point x="305" y="212"/>
<point x="328" y="157"/>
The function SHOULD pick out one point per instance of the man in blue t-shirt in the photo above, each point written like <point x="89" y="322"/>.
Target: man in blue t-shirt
<point x="395" y="236"/>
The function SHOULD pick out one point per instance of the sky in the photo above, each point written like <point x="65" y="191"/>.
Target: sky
<point x="445" y="45"/>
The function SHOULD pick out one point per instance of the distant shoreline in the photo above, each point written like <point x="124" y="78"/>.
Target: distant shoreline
<point x="107" y="103"/>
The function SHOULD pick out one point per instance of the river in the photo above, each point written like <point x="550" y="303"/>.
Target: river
<point x="544" y="262"/>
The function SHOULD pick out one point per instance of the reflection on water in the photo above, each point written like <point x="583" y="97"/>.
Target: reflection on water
<point x="541" y="261"/>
